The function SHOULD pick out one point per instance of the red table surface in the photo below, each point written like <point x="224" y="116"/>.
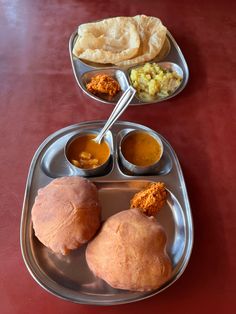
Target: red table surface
<point x="39" y="95"/>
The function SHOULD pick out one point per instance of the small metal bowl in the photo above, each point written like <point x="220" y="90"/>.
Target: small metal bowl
<point x="136" y="169"/>
<point x="88" y="172"/>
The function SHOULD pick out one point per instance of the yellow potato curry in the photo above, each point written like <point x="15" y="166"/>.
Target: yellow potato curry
<point x="152" y="81"/>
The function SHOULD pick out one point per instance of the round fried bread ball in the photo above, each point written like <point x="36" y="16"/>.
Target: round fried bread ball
<point x="66" y="213"/>
<point x="129" y="252"/>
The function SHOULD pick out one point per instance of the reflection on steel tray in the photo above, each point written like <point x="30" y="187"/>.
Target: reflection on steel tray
<point x="170" y="57"/>
<point x="69" y="277"/>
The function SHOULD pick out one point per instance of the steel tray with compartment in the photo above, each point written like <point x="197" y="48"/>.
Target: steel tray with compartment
<point x="170" y="57"/>
<point x="69" y="277"/>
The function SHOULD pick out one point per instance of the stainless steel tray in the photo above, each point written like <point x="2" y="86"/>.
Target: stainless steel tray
<point x="83" y="71"/>
<point x="69" y="277"/>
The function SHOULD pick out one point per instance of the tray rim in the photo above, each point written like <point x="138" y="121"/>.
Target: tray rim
<point x="125" y="70"/>
<point x="23" y="246"/>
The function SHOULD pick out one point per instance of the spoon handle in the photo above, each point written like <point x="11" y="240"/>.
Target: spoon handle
<point x="117" y="111"/>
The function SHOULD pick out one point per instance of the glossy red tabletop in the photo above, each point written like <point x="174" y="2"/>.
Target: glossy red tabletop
<point x="39" y="95"/>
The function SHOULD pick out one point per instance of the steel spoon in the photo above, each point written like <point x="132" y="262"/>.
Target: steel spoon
<point x="117" y="111"/>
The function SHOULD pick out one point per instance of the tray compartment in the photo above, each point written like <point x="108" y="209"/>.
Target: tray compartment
<point x="170" y="66"/>
<point x="118" y="75"/>
<point x="163" y="167"/>
<point x="71" y="272"/>
<point x="55" y="164"/>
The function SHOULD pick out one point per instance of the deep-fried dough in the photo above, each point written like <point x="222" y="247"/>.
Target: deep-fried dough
<point x="130" y="252"/>
<point x="66" y="213"/>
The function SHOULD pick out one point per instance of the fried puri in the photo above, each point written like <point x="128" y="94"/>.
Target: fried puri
<point x="108" y="41"/>
<point x="130" y="252"/>
<point x="124" y="41"/>
<point x="66" y="213"/>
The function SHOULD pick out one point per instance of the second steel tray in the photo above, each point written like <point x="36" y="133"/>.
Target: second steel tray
<point x="171" y="56"/>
